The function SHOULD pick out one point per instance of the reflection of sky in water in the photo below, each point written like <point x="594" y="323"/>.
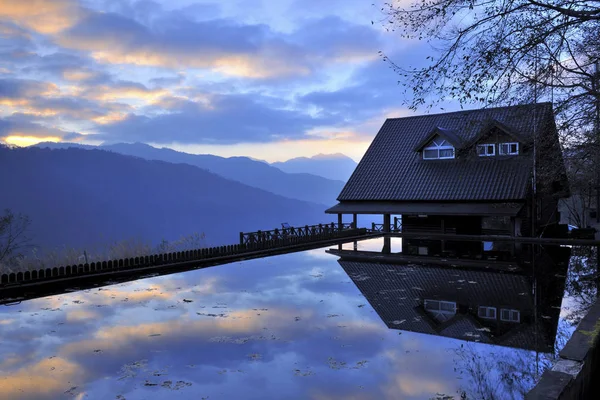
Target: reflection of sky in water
<point x="293" y="326"/>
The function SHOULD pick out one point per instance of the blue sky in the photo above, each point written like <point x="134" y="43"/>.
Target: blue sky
<point x="266" y="79"/>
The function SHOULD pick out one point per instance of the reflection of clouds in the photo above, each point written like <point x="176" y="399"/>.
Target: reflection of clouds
<point x="416" y="374"/>
<point x="126" y="336"/>
<point x="81" y="315"/>
<point x="44" y="379"/>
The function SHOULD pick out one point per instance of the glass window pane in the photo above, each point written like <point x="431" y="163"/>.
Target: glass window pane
<point x="447" y="306"/>
<point x="428" y="153"/>
<point x="432" y="305"/>
<point x="490" y="149"/>
<point x="481" y="150"/>
<point x="447" y="153"/>
<point x="514" y="148"/>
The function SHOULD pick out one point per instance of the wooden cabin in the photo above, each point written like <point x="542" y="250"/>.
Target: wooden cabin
<point x="487" y="171"/>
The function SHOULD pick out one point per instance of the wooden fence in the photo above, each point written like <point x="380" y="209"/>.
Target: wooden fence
<point x="293" y="236"/>
<point x="379" y="227"/>
<point x="300" y="234"/>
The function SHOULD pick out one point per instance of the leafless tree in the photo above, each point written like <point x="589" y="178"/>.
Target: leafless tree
<point x="13" y="237"/>
<point x="505" y="52"/>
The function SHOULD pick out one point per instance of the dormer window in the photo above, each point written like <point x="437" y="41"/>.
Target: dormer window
<point x="509" y="149"/>
<point x="486" y="150"/>
<point x="438" y="149"/>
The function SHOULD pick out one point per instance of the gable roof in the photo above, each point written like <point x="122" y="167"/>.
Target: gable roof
<point x="391" y="169"/>
<point x="494" y="123"/>
<point x="449" y="135"/>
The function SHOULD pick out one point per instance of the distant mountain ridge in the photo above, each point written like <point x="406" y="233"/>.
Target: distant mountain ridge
<point x="302" y="186"/>
<point x="331" y="166"/>
<point x="82" y="198"/>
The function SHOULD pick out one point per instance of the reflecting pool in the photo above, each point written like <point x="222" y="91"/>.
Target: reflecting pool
<point x="372" y="320"/>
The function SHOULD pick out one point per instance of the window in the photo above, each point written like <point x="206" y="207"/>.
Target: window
<point x="438" y="149"/>
<point x="510" y="315"/>
<point x="509" y="149"/>
<point x="484" y="150"/>
<point x="487" y="312"/>
<point x="440" y="310"/>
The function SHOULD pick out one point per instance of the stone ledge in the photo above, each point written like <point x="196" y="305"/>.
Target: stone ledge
<point x="550" y="387"/>
<point x="584" y="338"/>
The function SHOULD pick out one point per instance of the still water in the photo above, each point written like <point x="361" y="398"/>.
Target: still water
<point x="454" y="323"/>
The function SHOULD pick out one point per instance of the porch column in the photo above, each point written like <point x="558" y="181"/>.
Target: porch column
<point x="354" y="219"/>
<point x="340" y="222"/>
<point x="386" y="223"/>
<point x="387" y="247"/>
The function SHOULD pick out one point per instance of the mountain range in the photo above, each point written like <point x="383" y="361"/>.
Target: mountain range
<point x="332" y="166"/>
<point x="90" y="197"/>
<point x="295" y="185"/>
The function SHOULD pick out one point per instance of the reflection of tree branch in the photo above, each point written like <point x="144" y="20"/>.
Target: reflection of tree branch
<point x="492" y="376"/>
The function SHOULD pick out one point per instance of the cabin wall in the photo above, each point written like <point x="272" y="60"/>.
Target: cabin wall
<point x="460" y="225"/>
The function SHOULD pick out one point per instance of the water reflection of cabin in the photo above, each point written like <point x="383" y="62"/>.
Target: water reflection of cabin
<point x="467" y="172"/>
<point x="519" y="310"/>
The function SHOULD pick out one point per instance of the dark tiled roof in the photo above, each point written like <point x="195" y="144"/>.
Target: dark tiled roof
<point x="392" y="170"/>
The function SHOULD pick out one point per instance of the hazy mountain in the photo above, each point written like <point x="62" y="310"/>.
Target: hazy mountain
<point x="81" y="197"/>
<point x="331" y="166"/>
<point x="301" y="186"/>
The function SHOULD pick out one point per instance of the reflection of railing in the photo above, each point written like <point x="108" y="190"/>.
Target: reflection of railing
<point x="379" y="228"/>
<point x="300" y="234"/>
<point x="250" y="242"/>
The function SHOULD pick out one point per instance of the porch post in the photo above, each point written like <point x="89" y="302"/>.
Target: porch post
<point x="386" y="223"/>
<point x="339" y="222"/>
<point x="354" y="219"/>
<point x="386" y="229"/>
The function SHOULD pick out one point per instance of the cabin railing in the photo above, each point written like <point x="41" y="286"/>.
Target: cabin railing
<point x="299" y="234"/>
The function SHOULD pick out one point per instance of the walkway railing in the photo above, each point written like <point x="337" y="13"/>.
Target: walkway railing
<point x="379" y="228"/>
<point x="260" y="241"/>
<point x="278" y="237"/>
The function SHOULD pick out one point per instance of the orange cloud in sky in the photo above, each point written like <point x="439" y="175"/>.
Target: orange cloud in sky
<point x="44" y="16"/>
<point x="109" y="118"/>
<point x="77" y="74"/>
<point x="23" y="140"/>
<point x="112" y="93"/>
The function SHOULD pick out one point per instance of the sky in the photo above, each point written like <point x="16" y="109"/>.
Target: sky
<point x="266" y="79"/>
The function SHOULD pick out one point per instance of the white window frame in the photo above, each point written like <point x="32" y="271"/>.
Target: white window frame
<point x="486" y="146"/>
<point x="509" y="153"/>
<point x="439" y="309"/>
<point x="439" y="144"/>
<point x="511" y="313"/>
<point x="486" y="311"/>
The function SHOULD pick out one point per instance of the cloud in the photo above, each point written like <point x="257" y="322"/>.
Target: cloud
<point x="369" y="90"/>
<point x="11" y="89"/>
<point x="173" y="40"/>
<point x="44" y="16"/>
<point x="226" y="119"/>
<point x="24" y="130"/>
